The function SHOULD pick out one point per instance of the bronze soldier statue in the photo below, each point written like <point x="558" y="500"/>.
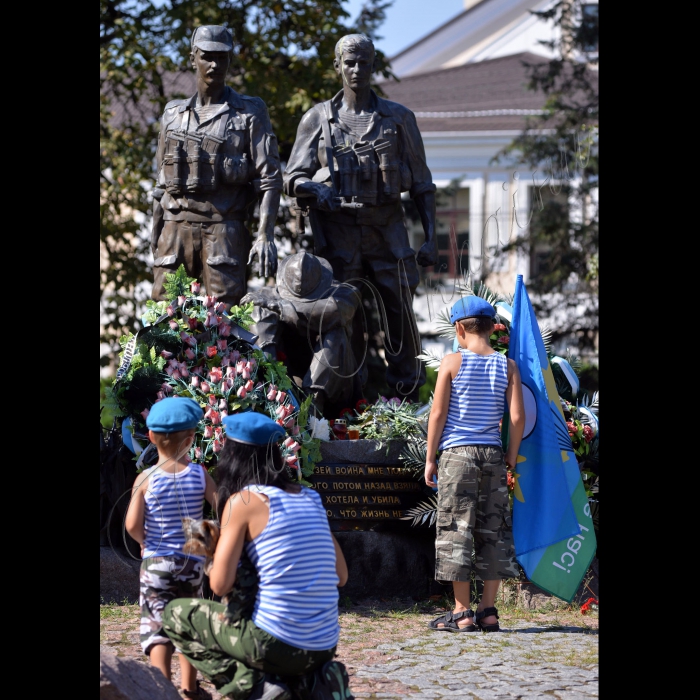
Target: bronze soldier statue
<point x="353" y="157"/>
<point x="216" y="155"/>
<point x="308" y="316"/>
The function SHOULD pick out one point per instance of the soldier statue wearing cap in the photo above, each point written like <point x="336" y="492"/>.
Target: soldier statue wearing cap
<point x="216" y="155"/>
<point x="353" y="157"/>
<point x="309" y="316"/>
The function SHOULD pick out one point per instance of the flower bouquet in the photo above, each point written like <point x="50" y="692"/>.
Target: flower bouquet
<point x="385" y="419"/>
<point x="192" y="346"/>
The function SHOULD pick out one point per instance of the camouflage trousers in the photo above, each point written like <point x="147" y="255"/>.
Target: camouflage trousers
<point x="163" y="579"/>
<point x="225" y="646"/>
<point x="473" y="516"/>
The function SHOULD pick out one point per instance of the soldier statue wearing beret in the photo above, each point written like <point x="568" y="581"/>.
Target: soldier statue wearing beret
<point x="216" y="156"/>
<point x="353" y="157"/>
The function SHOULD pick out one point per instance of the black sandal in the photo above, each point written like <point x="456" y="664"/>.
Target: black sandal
<point x="487" y="612"/>
<point x="199" y="693"/>
<point x="449" y="620"/>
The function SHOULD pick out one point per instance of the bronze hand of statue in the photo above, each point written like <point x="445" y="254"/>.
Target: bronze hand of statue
<point x="324" y="198"/>
<point x="266" y="253"/>
<point x="264" y="300"/>
<point x="427" y="255"/>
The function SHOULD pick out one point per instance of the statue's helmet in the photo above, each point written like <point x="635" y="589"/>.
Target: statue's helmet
<point x="212" y="37"/>
<point x="304" y="276"/>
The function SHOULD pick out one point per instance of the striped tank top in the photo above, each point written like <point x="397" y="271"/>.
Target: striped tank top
<point x="297" y="598"/>
<point x="477" y="401"/>
<point x="170" y="498"/>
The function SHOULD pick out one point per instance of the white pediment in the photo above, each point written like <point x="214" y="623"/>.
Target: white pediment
<point x="488" y="29"/>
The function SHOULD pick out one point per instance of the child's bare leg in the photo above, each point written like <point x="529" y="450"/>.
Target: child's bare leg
<point x="461" y="590"/>
<point x="188" y="674"/>
<point x="488" y="600"/>
<point x="161" y="656"/>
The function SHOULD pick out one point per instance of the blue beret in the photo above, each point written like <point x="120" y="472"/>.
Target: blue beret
<point x="252" y="428"/>
<point x="173" y="414"/>
<point x="471" y="307"/>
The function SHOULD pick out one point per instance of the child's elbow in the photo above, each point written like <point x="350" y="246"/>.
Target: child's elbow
<point x="133" y="528"/>
<point x="518" y="418"/>
<point x="220" y="587"/>
<point x="341" y="569"/>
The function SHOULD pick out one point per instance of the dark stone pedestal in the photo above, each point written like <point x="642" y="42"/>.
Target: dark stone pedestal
<point x="366" y="492"/>
<point x="389" y="564"/>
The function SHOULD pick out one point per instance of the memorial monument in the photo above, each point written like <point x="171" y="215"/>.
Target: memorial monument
<point x="353" y="157"/>
<point x="309" y="317"/>
<point x="217" y="154"/>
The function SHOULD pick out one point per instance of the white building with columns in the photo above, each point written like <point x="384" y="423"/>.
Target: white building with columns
<point x="466" y="84"/>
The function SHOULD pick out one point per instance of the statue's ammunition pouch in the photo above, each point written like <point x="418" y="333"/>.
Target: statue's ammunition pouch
<point x="368" y="172"/>
<point x="371" y="172"/>
<point x="389" y="166"/>
<point x="347" y="169"/>
<point x="193" y="161"/>
<point x="234" y="170"/>
<point x="174" y="163"/>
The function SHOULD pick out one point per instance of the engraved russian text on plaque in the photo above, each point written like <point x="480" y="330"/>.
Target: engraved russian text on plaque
<point x="361" y="495"/>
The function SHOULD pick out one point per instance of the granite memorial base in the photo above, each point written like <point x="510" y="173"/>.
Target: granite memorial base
<point x="366" y="491"/>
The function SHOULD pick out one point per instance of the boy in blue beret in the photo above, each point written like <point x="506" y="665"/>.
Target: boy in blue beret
<point x="473" y="387"/>
<point x="162" y="496"/>
<point x="284" y="646"/>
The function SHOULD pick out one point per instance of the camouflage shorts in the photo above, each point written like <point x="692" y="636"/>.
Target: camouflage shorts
<point x="163" y="579"/>
<point x="473" y="515"/>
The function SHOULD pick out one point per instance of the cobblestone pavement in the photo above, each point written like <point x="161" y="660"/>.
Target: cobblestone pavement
<point x="518" y="662"/>
<point x="391" y="654"/>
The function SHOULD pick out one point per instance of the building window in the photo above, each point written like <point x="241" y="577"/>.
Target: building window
<point x="452" y="236"/>
<point x="588" y="31"/>
<point x="550" y="214"/>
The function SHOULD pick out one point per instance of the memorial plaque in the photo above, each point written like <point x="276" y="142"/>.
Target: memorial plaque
<point x="358" y="496"/>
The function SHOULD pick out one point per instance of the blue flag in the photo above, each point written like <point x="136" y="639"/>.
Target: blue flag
<point x="552" y="527"/>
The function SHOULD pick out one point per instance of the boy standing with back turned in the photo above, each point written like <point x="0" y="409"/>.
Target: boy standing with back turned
<point x="472" y="390"/>
<point x="162" y="496"/>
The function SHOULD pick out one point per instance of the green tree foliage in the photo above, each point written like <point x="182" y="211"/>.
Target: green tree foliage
<point x="283" y="53"/>
<point x="562" y="236"/>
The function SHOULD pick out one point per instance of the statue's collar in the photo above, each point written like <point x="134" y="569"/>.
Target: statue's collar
<point x="230" y="95"/>
<point x="377" y="104"/>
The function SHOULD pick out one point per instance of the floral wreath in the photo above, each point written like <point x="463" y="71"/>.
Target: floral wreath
<point x="192" y="346"/>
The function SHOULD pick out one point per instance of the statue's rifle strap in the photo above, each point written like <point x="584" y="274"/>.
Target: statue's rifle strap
<point x="327" y="115"/>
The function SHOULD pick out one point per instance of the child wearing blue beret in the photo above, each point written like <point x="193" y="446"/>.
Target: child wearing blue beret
<point x="286" y="644"/>
<point x="473" y="388"/>
<point x="171" y="490"/>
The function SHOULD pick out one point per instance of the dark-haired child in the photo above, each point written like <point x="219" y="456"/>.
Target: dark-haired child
<point x="473" y="388"/>
<point x="283" y="528"/>
<point x="162" y="496"/>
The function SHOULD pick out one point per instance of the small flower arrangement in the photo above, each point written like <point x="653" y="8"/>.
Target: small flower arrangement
<point x="500" y="338"/>
<point x="582" y="424"/>
<point x="193" y="346"/>
<point x="590" y="604"/>
<point x="386" y="419"/>
<point x="580" y="436"/>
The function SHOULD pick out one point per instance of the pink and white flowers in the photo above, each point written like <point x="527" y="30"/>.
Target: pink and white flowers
<point x="223" y="373"/>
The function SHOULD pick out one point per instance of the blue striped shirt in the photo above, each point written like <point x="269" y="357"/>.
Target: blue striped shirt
<point x="170" y="498"/>
<point x="294" y="555"/>
<point x="477" y="401"/>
